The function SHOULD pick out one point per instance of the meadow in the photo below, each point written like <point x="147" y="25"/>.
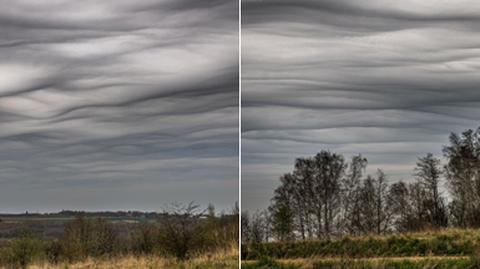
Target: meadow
<point x="227" y="259"/>
<point x="440" y="249"/>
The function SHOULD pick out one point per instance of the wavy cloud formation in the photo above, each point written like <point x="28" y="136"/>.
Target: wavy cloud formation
<point x="387" y="79"/>
<point x="118" y="104"/>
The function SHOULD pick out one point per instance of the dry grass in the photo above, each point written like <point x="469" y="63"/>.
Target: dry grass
<point x="227" y="259"/>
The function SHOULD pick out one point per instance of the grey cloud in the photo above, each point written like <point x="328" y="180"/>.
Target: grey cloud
<point x="387" y="79"/>
<point x="104" y="98"/>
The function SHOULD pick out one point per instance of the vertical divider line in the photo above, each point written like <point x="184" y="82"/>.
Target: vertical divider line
<point x="239" y="133"/>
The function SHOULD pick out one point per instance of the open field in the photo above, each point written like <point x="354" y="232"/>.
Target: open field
<point x="445" y="249"/>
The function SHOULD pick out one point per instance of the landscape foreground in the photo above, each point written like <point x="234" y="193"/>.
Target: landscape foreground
<point x="184" y="236"/>
<point x="445" y="249"/>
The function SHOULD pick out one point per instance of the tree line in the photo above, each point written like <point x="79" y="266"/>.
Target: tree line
<point x="328" y="196"/>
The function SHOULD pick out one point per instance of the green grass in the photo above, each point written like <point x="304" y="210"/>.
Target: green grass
<point x="397" y="264"/>
<point x="445" y="249"/>
<point x="448" y="242"/>
<point x="268" y="263"/>
<point x="375" y="263"/>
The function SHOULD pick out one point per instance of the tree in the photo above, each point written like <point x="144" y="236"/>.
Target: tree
<point x="463" y="175"/>
<point x="281" y="209"/>
<point x="246" y="228"/>
<point x="329" y="170"/>
<point x="350" y="194"/>
<point x="302" y="200"/>
<point x="375" y="214"/>
<point x="400" y="206"/>
<point x="259" y="228"/>
<point x="180" y="229"/>
<point x="428" y="173"/>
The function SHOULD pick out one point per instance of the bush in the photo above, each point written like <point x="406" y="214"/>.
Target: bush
<point x="21" y="251"/>
<point x="145" y="239"/>
<point x="85" y="237"/>
<point x="181" y="233"/>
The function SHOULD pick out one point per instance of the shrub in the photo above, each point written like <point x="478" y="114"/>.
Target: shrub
<point x="85" y="237"/>
<point x="20" y="252"/>
<point x="145" y="239"/>
<point x="181" y="232"/>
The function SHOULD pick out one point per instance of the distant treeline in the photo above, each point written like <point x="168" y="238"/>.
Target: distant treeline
<point x="182" y="231"/>
<point x="326" y="196"/>
<point x="99" y="214"/>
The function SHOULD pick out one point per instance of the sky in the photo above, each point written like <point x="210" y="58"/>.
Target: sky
<point x="388" y="79"/>
<point x="118" y="104"/>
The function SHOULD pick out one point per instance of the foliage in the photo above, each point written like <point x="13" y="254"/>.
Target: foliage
<point x="23" y="250"/>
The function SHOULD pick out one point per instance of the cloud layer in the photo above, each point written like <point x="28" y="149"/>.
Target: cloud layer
<point x="118" y="104"/>
<point x="387" y="79"/>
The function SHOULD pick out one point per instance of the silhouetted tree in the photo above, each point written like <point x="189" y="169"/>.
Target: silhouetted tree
<point x="463" y="176"/>
<point x="428" y="173"/>
<point x="303" y="196"/>
<point x="375" y="214"/>
<point x="330" y="168"/>
<point x="351" y="185"/>
<point x="282" y="214"/>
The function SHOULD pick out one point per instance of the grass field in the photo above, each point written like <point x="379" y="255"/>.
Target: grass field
<point x="445" y="249"/>
<point x="367" y="263"/>
<point x="221" y="260"/>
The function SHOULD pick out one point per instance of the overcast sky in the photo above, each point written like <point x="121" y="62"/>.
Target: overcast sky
<point x="389" y="79"/>
<point x="118" y="104"/>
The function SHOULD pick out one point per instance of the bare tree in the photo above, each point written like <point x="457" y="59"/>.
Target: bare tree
<point x="259" y="228"/>
<point x="375" y="214"/>
<point x="463" y="176"/>
<point x="330" y="168"/>
<point x="428" y="173"/>
<point x="281" y="211"/>
<point x="180" y="229"/>
<point x="351" y="185"/>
